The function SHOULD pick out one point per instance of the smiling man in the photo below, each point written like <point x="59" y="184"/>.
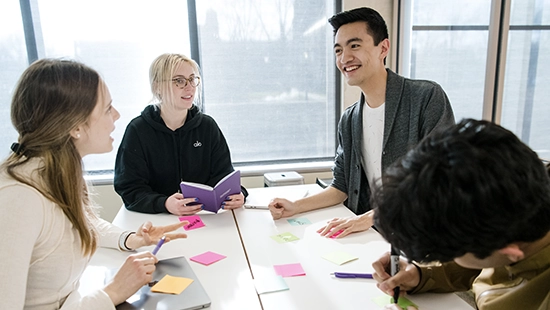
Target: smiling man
<point x="393" y="114"/>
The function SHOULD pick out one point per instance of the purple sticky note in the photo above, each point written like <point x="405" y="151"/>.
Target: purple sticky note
<point x="290" y="270"/>
<point x="207" y="258"/>
<point x="195" y="222"/>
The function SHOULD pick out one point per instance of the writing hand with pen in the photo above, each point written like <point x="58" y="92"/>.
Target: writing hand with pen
<point x="137" y="270"/>
<point x="406" y="279"/>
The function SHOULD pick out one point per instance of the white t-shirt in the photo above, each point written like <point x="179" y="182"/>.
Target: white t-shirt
<point x="373" y="138"/>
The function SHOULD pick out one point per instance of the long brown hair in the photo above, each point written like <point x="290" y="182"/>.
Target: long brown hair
<point x="51" y="98"/>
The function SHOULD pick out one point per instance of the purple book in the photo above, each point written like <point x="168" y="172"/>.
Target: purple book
<point x="212" y="197"/>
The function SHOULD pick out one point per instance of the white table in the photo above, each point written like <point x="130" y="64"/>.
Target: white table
<point x="243" y="236"/>
<point x="228" y="282"/>
<point x="318" y="289"/>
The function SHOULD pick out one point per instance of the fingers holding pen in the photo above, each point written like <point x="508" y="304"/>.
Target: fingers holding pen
<point x="407" y="278"/>
<point x="136" y="271"/>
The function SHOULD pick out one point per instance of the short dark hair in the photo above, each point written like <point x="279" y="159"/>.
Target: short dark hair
<point x="472" y="188"/>
<point x="376" y="26"/>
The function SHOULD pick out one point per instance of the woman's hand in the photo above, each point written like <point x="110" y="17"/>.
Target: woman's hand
<point x="136" y="271"/>
<point x="347" y="225"/>
<point x="178" y="205"/>
<point x="233" y="202"/>
<point x="147" y="234"/>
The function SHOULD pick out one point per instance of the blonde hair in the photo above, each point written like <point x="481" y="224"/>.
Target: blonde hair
<point x="161" y="73"/>
<point x="51" y="98"/>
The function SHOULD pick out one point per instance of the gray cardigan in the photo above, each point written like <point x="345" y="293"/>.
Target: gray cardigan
<point x="414" y="108"/>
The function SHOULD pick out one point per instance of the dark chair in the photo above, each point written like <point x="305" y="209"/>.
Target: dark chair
<point x="323" y="182"/>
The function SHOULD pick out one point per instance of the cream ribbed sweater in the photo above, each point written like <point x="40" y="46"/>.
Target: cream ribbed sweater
<point x="40" y="256"/>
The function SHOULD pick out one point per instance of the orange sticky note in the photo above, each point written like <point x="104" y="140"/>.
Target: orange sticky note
<point x="171" y="285"/>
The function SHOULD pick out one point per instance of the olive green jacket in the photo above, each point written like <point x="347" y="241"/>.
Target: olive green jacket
<point x="523" y="285"/>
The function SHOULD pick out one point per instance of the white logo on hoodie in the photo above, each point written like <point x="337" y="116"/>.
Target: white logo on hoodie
<point x="197" y="144"/>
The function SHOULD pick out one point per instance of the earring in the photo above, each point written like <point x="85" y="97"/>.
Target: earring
<point x="78" y="136"/>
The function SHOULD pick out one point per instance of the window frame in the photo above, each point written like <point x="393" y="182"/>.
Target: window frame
<point x="303" y="165"/>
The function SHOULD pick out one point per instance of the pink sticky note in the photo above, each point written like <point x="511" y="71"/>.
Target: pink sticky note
<point x="336" y="234"/>
<point x="207" y="258"/>
<point x="195" y="222"/>
<point x="290" y="270"/>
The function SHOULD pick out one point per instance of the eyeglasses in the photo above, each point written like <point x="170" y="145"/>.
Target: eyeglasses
<point x="181" y="82"/>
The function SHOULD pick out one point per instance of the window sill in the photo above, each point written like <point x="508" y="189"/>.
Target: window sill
<point x="106" y="177"/>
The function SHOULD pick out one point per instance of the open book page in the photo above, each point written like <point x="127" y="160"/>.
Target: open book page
<point x="212" y="198"/>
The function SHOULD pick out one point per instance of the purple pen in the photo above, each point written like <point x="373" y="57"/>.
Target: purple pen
<point x="352" y="275"/>
<point x="157" y="248"/>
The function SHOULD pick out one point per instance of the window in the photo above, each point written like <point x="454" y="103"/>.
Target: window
<point x="526" y="105"/>
<point x="268" y="71"/>
<point x="450" y="46"/>
<point x="13" y="60"/>
<point x="269" y="77"/>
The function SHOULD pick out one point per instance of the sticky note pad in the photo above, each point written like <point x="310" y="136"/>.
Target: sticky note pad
<point x="270" y="284"/>
<point x="289" y="270"/>
<point x="384" y="300"/>
<point x="339" y="258"/>
<point x="171" y="285"/>
<point x="207" y="258"/>
<point x="299" y="221"/>
<point x="285" y="237"/>
<point x="195" y="222"/>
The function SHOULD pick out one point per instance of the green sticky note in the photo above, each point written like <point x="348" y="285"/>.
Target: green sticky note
<point x="339" y="257"/>
<point x="285" y="237"/>
<point x="270" y="284"/>
<point x="299" y="221"/>
<point x="402" y="302"/>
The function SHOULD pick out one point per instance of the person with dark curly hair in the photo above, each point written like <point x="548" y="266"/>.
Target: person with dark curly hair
<point x="475" y="200"/>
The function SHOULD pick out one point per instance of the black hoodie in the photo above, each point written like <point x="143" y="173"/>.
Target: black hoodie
<point x="152" y="159"/>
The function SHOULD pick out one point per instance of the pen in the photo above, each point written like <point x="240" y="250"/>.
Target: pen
<point x="394" y="269"/>
<point x="157" y="248"/>
<point x="352" y="275"/>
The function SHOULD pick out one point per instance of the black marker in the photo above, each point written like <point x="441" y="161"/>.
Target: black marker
<point x="394" y="269"/>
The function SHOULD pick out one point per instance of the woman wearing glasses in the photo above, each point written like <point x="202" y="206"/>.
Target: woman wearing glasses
<point x="171" y="141"/>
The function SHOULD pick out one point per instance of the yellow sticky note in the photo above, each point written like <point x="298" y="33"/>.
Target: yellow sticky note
<point x="339" y="257"/>
<point x="171" y="285"/>
<point x="285" y="237"/>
